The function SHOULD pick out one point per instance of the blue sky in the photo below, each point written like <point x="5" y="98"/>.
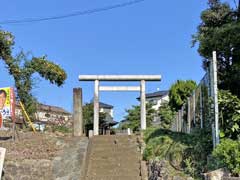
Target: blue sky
<point x="152" y="37"/>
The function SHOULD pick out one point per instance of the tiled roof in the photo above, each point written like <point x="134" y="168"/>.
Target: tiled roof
<point x="44" y="107"/>
<point x="103" y="105"/>
<point x="52" y="108"/>
<point x="111" y="123"/>
<point x="156" y="94"/>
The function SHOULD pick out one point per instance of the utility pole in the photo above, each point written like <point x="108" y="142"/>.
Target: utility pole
<point x="215" y="97"/>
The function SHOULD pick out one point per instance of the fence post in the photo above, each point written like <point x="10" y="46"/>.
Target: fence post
<point x="213" y="135"/>
<point x="179" y="119"/>
<point x="201" y="107"/>
<point x="176" y="122"/>
<point x="189" y="116"/>
<point x="194" y="107"/>
<point x="215" y="96"/>
<point x="182" y="114"/>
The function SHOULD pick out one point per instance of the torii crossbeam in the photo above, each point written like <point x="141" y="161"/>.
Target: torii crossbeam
<point x="142" y="88"/>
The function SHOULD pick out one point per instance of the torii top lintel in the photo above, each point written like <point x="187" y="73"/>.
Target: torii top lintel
<point x="120" y="77"/>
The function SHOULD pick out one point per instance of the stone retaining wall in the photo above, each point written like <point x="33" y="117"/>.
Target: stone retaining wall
<point x="220" y="174"/>
<point x="28" y="170"/>
<point x="159" y="170"/>
<point x="68" y="164"/>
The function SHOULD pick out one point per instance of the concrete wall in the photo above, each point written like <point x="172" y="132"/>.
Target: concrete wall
<point x="68" y="164"/>
<point x="28" y="170"/>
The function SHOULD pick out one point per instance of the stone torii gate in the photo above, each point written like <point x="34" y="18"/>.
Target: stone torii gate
<point x="142" y="88"/>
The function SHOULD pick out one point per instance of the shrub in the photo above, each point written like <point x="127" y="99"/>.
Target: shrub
<point x="183" y="151"/>
<point x="227" y="154"/>
<point x="166" y="115"/>
<point x="229" y="107"/>
<point x="61" y="128"/>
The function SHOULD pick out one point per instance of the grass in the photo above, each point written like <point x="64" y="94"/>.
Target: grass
<point x="184" y="152"/>
<point x="61" y="128"/>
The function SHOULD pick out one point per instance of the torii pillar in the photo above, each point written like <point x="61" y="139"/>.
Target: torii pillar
<point x="96" y="108"/>
<point x="142" y="88"/>
<point x="143" y="105"/>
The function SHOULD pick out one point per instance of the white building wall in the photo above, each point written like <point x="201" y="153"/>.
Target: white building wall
<point x="157" y="101"/>
<point x="41" y="115"/>
<point x="107" y="111"/>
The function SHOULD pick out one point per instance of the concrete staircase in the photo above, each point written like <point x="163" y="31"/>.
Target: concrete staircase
<point x="113" y="158"/>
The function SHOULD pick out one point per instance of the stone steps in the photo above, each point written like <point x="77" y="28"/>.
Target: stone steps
<point x="114" y="158"/>
<point x="108" y="160"/>
<point x="115" y="178"/>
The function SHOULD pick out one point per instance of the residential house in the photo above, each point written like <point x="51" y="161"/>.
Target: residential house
<point x="109" y="119"/>
<point x="106" y="108"/>
<point x="157" y="99"/>
<point x="48" y="114"/>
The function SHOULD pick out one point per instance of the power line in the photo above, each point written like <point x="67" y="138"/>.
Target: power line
<point x="78" y="13"/>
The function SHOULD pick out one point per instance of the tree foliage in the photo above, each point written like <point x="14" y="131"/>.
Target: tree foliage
<point x="88" y="116"/>
<point x="179" y="92"/>
<point x="229" y="108"/>
<point x="22" y="69"/>
<point x="227" y="154"/>
<point x="187" y="152"/>
<point x="219" y="31"/>
<point x="6" y="42"/>
<point x="133" y="117"/>
<point x="166" y="116"/>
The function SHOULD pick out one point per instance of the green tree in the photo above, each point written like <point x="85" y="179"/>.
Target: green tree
<point x="166" y="116"/>
<point x="22" y="70"/>
<point x="88" y="116"/>
<point x="133" y="117"/>
<point x="219" y="31"/>
<point x="229" y="108"/>
<point x="6" y="43"/>
<point x="179" y="92"/>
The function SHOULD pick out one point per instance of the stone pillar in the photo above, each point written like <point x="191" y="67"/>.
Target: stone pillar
<point x="96" y="109"/>
<point x="77" y="112"/>
<point x="143" y="105"/>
